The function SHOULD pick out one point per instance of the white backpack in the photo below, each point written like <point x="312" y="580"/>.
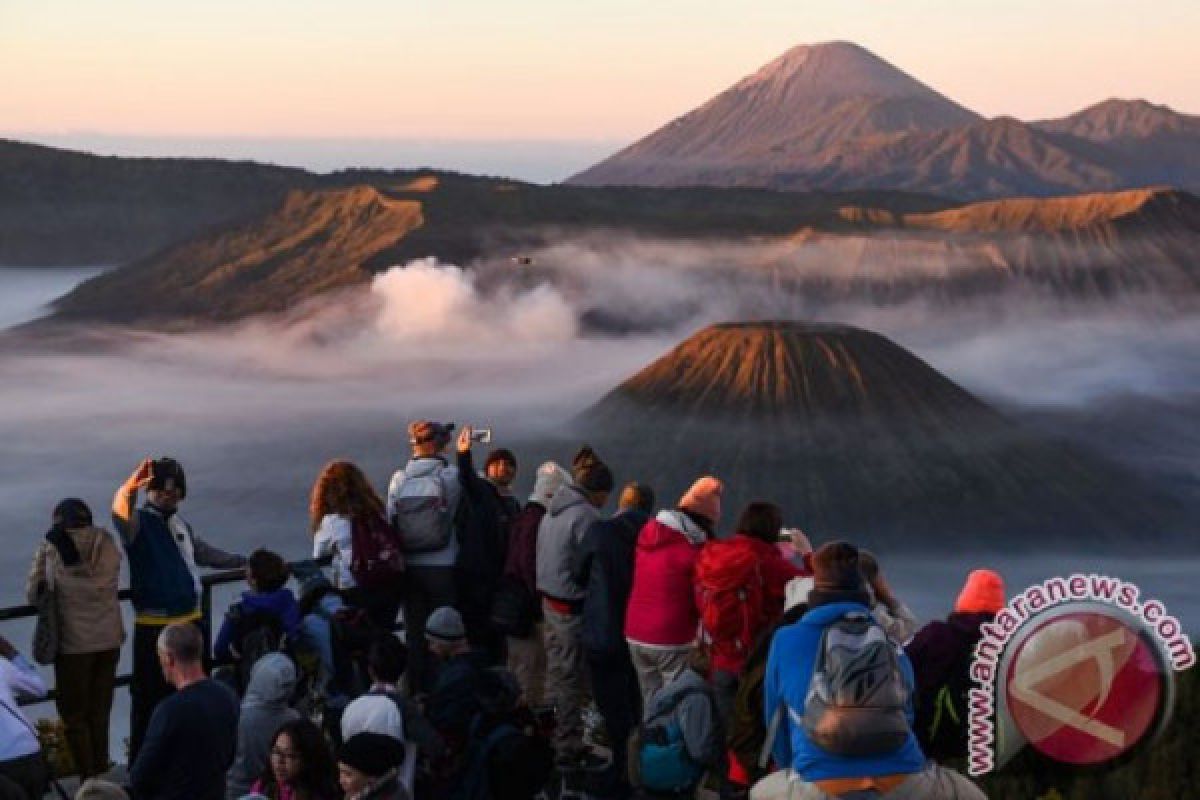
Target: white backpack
<point x="421" y="513"/>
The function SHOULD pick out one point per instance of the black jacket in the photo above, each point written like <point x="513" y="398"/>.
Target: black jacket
<point x="483" y="521"/>
<point x="603" y="566"/>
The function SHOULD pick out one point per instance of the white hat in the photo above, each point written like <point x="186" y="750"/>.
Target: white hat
<point x="796" y="591"/>
<point x="549" y="479"/>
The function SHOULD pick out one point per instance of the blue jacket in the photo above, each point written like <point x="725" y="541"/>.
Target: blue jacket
<point x="281" y="603"/>
<point x="789" y="671"/>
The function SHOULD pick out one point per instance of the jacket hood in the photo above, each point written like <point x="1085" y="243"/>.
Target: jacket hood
<point x="688" y="680"/>
<point x="271" y="682"/>
<point x="677" y="522"/>
<point x="969" y="621"/>
<point x="823" y="616"/>
<point x="630" y="523"/>
<point x="87" y="541"/>
<point x="566" y="497"/>
<point x="420" y="467"/>
<point x="277" y="602"/>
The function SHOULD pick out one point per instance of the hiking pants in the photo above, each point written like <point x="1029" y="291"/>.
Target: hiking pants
<point x="426" y="589"/>
<point x="147" y="685"/>
<point x="564" y="677"/>
<point x="527" y="662"/>
<point x="85" y="695"/>
<point x="932" y="783"/>
<point x="615" y="687"/>
<point x="656" y="666"/>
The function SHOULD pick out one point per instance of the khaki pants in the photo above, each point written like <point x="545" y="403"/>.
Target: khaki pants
<point x="85" y="694"/>
<point x="564" y="677"/>
<point x="933" y="783"/>
<point x="527" y="662"/>
<point x="656" y="667"/>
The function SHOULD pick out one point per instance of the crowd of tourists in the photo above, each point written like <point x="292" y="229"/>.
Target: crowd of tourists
<point x="446" y="639"/>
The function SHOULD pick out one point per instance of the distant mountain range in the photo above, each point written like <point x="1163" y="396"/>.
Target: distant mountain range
<point x="835" y="117"/>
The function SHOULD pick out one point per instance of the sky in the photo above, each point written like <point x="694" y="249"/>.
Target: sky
<point x="528" y="83"/>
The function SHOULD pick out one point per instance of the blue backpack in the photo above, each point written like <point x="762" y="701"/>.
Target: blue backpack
<point x="660" y="761"/>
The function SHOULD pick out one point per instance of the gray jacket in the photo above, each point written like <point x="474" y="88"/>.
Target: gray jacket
<point x="264" y="709"/>
<point x="696" y="715"/>
<point x="560" y="536"/>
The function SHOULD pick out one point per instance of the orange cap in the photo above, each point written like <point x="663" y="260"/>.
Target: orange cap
<point x="983" y="591"/>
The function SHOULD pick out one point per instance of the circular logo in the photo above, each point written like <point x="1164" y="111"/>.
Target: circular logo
<point x="1086" y="687"/>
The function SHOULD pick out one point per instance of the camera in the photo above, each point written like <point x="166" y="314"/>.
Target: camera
<point x="482" y="435"/>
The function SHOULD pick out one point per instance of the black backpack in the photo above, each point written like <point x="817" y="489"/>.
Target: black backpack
<point x="941" y="719"/>
<point x="255" y="634"/>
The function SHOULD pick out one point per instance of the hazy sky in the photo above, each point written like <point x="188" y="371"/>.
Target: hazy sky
<point x="543" y="69"/>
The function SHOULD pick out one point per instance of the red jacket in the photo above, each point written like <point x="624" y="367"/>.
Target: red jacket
<point x="773" y="570"/>
<point x="662" y="606"/>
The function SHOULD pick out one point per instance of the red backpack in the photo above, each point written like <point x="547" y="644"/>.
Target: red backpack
<point x="377" y="553"/>
<point x="730" y="591"/>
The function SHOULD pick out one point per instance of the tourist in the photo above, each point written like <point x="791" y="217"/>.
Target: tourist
<point x="342" y="499"/>
<point x="813" y="763"/>
<point x="896" y="618"/>
<point x="268" y="603"/>
<point x="941" y="655"/>
<point x="192" y="736"/>
<point x="22" y="768"/>
<point x="662" y="617"/>
<point x="604" y="568"/>
<point x="264" y="709"/>
<point x="560" y="536"/>
<point x="422" y="502"/>
<point x="740" y="583"/>
<point x="80" y="564"/>
<point x="300" y="765"/>
<point x="367" y="768"/>
<point x="517" y="603"/>
<point x="164" y="555"/>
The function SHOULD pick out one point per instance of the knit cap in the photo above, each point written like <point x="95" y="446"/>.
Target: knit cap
<point x="704" y="498"/>
<point x="500" y="454"/>
<point x="836" y="568"/>
<point x="372" y="754"/>
<point x="590" y="473"/>
<point x="446" y="625"/>
<point x="983" y="591"/>
<point x="549" y="479"/>
<point x="796" y="591"/>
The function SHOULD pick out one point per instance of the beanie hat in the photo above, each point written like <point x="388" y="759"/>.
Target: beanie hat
<point x="446" y="625"/>
<point x="97" y="789"/>
<point x="704" y="498"/>
<point x="796" y="592"/>
<point x="424" y="430"/>
<point x="983" y="591"/>
<point x="500" y="454"/>
<point x="372" y="754"/>
<point x="168" y="473"/>
<point x="835" y="567"/>
<point x="549" y="479"/>
<point x="590" y="473"/>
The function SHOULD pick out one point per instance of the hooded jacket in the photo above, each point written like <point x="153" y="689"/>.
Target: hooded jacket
<point x="696" y="714"/>
<point x="772" y="570"/>
<point x="785" y="686"/>
<point x="264" y="709"/>
<point x="85" y="594"/>
<point x="604" y="567"/>
<point x="280" y="603"/>
<point x="560" y="536"/>
<point x="662" y="604"/>
<point x="941" y="654"/>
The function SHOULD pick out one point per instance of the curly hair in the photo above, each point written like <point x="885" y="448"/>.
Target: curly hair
<point x="341" y="488"/>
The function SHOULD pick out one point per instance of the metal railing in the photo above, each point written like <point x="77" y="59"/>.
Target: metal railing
<point x="207" y="582"/>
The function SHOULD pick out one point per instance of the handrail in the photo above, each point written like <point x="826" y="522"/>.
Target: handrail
<point x="207" y="581"/>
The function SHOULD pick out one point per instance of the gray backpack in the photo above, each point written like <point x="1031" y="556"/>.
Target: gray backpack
<point x="421" y="513"/>
<point x="856" y="701"/>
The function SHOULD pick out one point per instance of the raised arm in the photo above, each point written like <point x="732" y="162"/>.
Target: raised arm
<point x="125" y="500"/>
<point x="209" y="556"/>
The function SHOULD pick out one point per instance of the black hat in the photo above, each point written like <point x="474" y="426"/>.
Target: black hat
<point x="590" y="473"/>
<point x="168" y="472"/>
<point x="72" y="513"/>
<point x="372" y="754"/>
<point x="500" y="454"/>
